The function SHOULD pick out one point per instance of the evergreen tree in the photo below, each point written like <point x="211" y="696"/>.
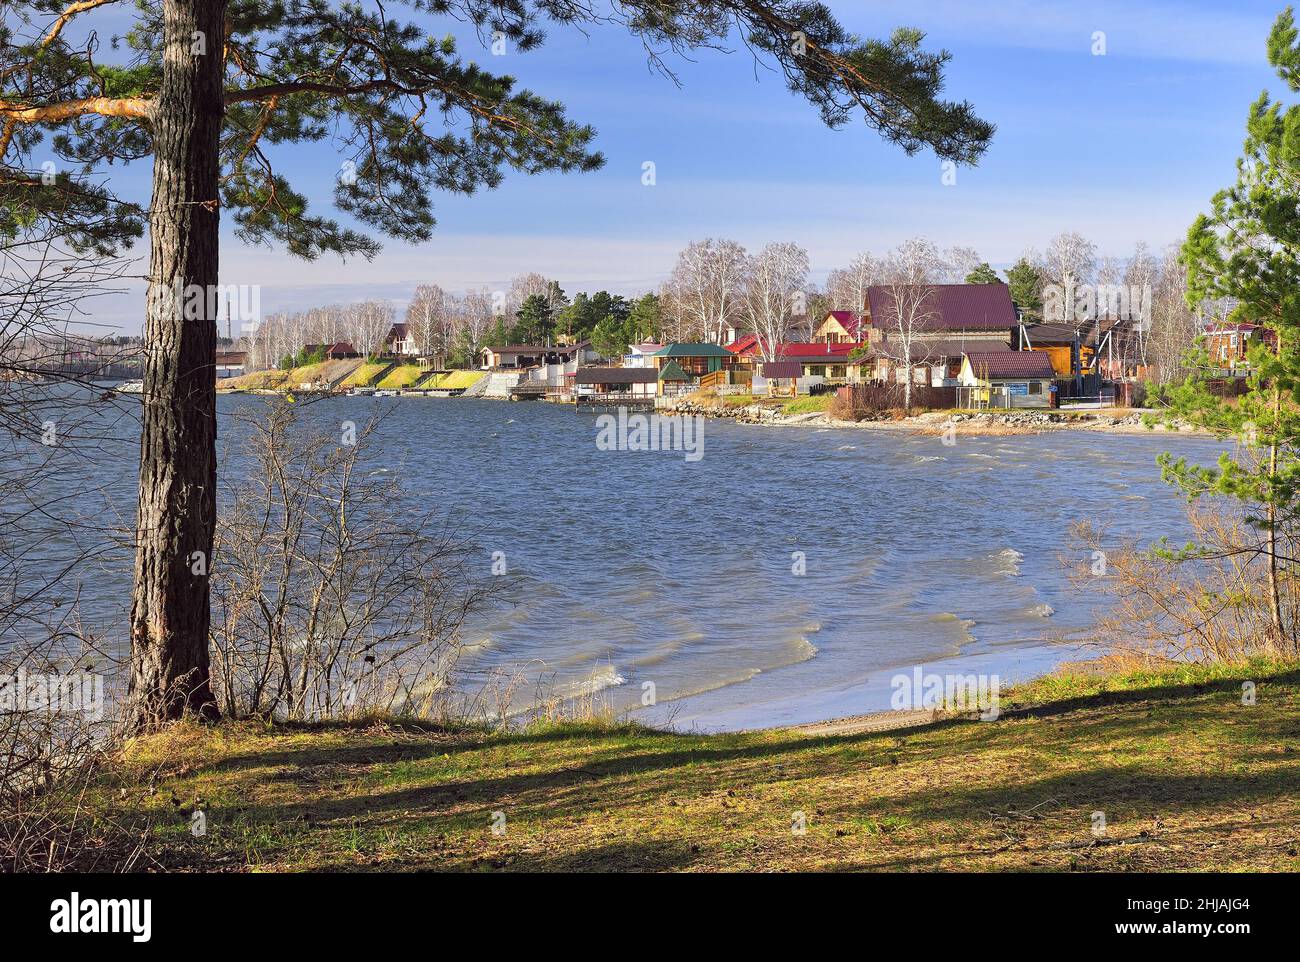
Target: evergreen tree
<point x="1026" y="289"/>
<point x="536" y="322"/>
<point x="984" y="274"/>
<point x="643" y="318"/>
<point x="1247" y="250"/>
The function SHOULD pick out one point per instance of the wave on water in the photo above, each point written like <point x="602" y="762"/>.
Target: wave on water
<point x="798" y="650"/>
<point x="964" y="625"/>
<point x="1007" y="562"/>
<point x="662" y="652"/>
<point x="847" y="447"/>
<point x="606" y="676"/>
<point x="1043" y="610"/>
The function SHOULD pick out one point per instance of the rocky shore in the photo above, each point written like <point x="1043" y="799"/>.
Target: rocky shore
<point x="1120" y="421"/>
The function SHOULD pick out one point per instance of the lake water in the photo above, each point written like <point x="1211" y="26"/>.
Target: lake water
<point x="638" y="567"/>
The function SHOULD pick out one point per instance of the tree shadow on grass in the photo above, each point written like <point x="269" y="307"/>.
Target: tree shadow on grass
<point x="1152" y="693"/>
<point x="645" y="780"/>
<point x="626" y="856"/>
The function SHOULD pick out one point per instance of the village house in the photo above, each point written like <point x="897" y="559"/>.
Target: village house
<point x="674" y="380"/>
<point x="696" y="360"/>
<point x="338" y="351"/>
<point x="841" y="327"/>
<point x="633" y="382"/>
<point x="641" y="355"/>
<point x="400" y="341"/>
<point x="231" y="363"/>
<point x="1008" y="379"/>
<point x="934" y="362"/>
<point x="828" y="360"/>
<point x="779" y="378"/>
<point x="1062" y="343"/>
<point x="968" y="312"/>
<point x="521" y="356"/>
<point x="1227" y="343"/>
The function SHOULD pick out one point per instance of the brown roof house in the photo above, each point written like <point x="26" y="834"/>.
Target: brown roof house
<point x="945" y="310"/>
<point x="1008" y="379"/>
<point x="634" y="381"/>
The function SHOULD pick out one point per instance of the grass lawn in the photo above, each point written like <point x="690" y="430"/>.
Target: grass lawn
<point x="363" y="375"/>
<point x="808" y="405"/>
<point x="1187" y="777"/>
<point x="460" y="379"/>
<point x="403" y="375"/>
<point x="258" y="380"/>
<point x="307" y="374"/>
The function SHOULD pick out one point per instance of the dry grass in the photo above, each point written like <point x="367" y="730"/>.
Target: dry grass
<point x="1187" y="777"/>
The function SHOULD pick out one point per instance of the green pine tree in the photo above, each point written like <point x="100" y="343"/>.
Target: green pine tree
<point x="1247" y="250"/>
<point x="1026" y="289"/>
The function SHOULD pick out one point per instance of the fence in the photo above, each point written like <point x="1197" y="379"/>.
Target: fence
<point x="862" y="398"/>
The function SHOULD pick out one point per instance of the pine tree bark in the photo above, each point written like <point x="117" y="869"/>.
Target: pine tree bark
<point x="170" y="612"/>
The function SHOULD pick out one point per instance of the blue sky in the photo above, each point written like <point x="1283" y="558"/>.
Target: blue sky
<point x="1122" y="147"/>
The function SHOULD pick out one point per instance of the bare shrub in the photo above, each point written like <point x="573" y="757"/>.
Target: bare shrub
<point x="333" y="597"/>
<point x="55" y="711"/>
<point x="1206" y="601"/>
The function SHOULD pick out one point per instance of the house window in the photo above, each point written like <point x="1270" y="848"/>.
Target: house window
<point x="1035" y="387"/>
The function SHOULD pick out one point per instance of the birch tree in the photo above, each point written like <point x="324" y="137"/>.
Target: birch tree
<point x="846" y="288"/>
<point x="708" y="287"/>
<point x="775" y="285"/>
<point x="1070" y="260"/>
<point x="370" y="322"/>
<point x="429" y="318"/>
<point x="911" y="308"/>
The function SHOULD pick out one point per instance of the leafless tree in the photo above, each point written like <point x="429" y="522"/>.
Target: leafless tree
<point x="956" y="264"/>
<point x="525" y="286"/>
<point x="473" y="320"/>
<point x="911" y="308"/>
<point x="1173" y="325"/>
<point x="429" y="319"/>
<point x="707" y="285"/>
<point x="332" y="596"/>
<point x="774" y="291"/>
<point x="1070" y="260"/>
<point x="370" y="322"/>
<point x="846" y="288"/>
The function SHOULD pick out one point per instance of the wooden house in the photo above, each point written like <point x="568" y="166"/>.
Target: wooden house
<point x="674" y="380"/>
<point x="695" y="360"/>
<point x="781" y="378"/>
<point x="1228" y="343"/>
<point x="1018" y="379"/>
<point x="841" y="327"/>
<point x="632" y="382"/>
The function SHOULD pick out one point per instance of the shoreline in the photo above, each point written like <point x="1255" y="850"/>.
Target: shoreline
<point x="961" y="423"/>
<point x="1123" y="421"/>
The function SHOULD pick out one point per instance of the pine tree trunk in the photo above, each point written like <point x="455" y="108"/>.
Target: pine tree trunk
<point x="177" y="508"/>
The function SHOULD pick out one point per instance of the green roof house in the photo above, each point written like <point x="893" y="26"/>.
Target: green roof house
<point x="695" y="360"/>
